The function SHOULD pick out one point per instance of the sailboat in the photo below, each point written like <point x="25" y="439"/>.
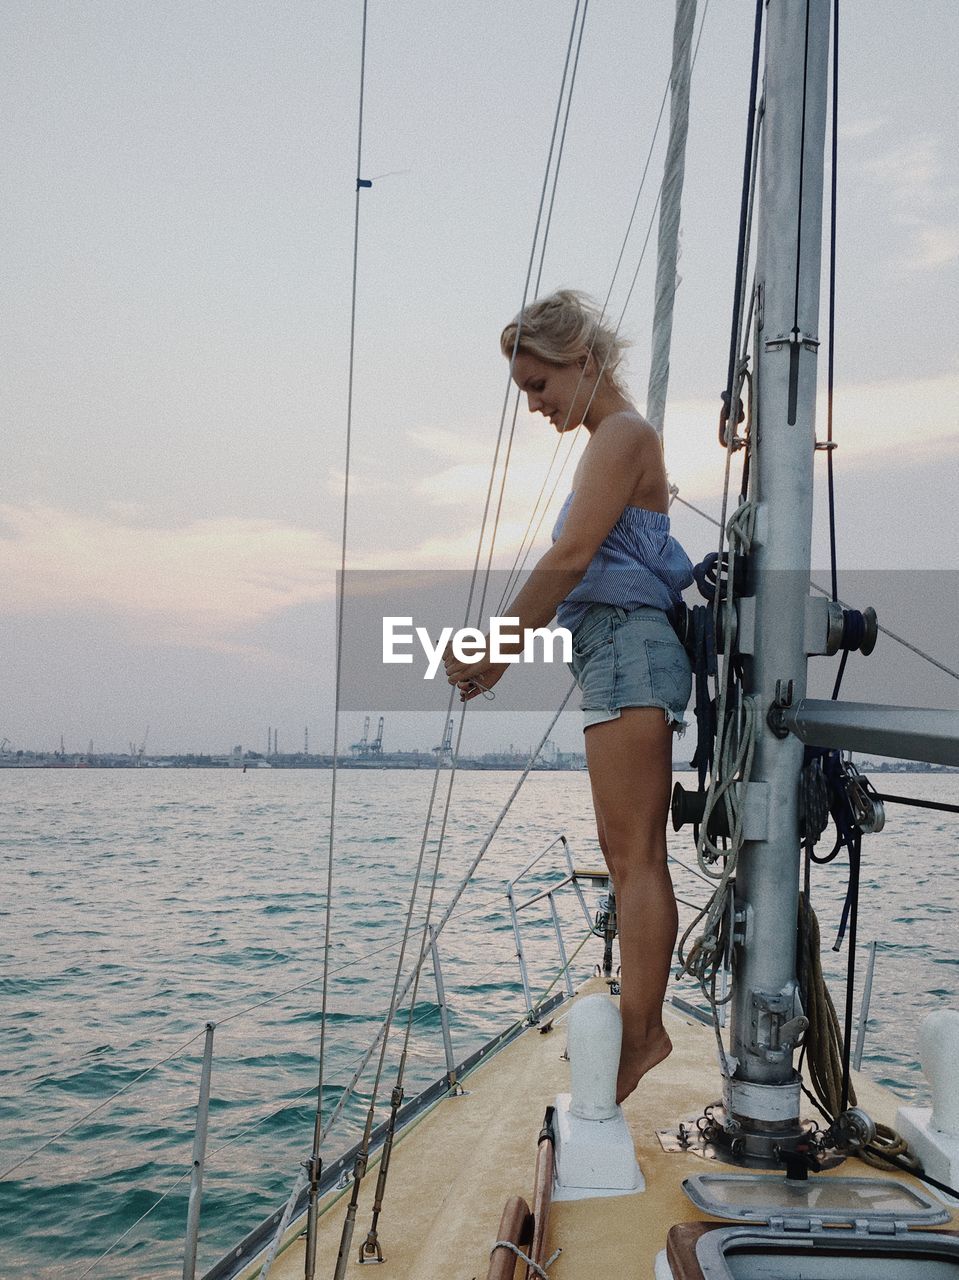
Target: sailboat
<point x="515" y="1161"/>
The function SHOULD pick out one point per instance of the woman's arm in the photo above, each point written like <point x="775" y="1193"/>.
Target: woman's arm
<point x="612" y="465"/>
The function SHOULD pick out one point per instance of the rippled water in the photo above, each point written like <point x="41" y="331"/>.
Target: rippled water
<point x="137" y="905"/>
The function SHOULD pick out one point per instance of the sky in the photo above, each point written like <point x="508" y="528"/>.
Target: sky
<point x="177" y="264"/>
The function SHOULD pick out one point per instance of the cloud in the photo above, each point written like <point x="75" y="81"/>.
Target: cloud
<point x="438" y="441"/>
<point x="362" y="483"/>
<point x="863" y="127"/>
<point x="916" y="181"/>
<point x="915" y="414"/>
<point x="205" y="584"/>
<point x="205" y="578"/>
<point x="938" y="245"/>
<point x="911" y="414"/>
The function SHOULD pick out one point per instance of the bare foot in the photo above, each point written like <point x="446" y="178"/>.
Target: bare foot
<point x="634" y="1063"/>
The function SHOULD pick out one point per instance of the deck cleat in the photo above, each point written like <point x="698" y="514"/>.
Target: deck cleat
<point x="594" y="1148"/>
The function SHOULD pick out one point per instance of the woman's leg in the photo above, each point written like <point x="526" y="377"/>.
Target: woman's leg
<point x="630" y="770"/>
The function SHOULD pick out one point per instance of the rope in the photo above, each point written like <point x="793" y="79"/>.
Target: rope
<point x="524" y="1257"/>
<point x="919" y="804"/>
<point x="826" y="1055"/>
<point x="850" y="912"/>
<point x="889" y="1150"/>
<point x="823" y="1046"/>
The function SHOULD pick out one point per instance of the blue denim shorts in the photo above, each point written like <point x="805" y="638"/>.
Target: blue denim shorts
<point x="629" y="659"/>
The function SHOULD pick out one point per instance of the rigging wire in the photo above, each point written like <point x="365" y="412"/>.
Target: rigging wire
<point x="475" y="570"/>
<point x="156" y="1204"/>
<point x="567" y="95"/>
<point x="907" y="644"/>
<point x="560" y="151"/>
<point x="4" y="1173"/>
<point x="314" y="1162"/>
<point x="526" y="293"/>
<point x="523" y="553"/>
<point x="539" y="276"/>
<point x="313" y="1166"/>
<point x="743" y="239"/>
<point x="831" y="358"/>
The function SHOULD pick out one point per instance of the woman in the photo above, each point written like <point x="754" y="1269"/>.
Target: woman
<point x="610" y="576"/>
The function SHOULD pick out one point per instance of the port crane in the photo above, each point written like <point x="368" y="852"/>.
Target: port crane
<point x="365" y="747"/>
<point x="362" y="747"/>
<point x="445" y="749"/>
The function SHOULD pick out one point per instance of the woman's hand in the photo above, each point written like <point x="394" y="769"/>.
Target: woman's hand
<point x="473" y="677"/>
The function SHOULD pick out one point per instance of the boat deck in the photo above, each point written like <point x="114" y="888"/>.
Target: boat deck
<point x="451" y="1174"/>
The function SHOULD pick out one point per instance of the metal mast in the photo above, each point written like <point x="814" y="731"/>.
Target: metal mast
<point x="762" y="1096"/>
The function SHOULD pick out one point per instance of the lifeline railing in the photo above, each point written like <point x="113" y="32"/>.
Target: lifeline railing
<point x="200" y="1158"/>
<point x="279" y="1224"/>
<point x="573" y="879"/>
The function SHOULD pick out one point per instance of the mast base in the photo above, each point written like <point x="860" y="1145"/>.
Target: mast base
<point x="748" y="1144"/>
<point x="758" y="1144"/>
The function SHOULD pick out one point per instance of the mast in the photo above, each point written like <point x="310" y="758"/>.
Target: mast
<point x="762" y="1095"/>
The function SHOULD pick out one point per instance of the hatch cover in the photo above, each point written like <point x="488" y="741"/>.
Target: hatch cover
<point x="881" y="1203"/>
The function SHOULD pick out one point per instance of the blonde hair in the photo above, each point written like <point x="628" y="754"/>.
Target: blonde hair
<point x="565" y="328"/>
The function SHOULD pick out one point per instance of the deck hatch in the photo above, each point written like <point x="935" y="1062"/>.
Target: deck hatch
<point x="878" y="1206"/>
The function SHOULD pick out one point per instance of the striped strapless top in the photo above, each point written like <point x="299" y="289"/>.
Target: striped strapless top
<point x="637" y="563"/>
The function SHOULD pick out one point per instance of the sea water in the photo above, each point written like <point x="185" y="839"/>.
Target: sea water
<point x="139" y="905"/>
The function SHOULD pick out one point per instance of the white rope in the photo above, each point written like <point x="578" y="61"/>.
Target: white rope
<point x="732" y="767"/>
<point x="298" y="1186"/>
<point x="538" y="1270"/>
<point x="669" y="211"/>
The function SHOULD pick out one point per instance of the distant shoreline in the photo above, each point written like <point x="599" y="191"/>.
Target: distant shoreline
<point x="516" y="761"/>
